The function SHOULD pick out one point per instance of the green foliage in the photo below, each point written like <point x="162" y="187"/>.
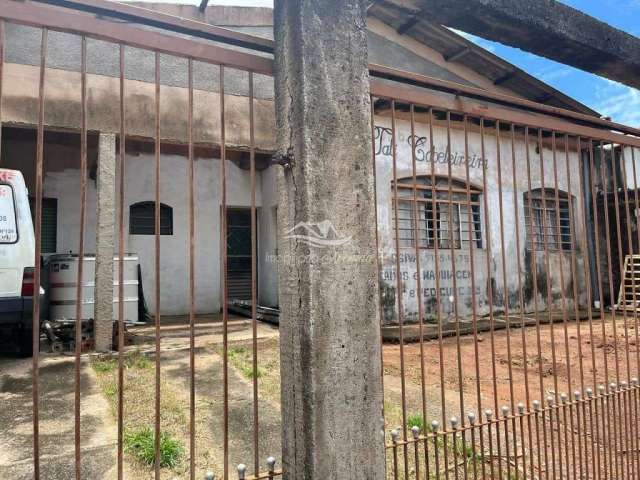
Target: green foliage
<point x="104" y="365"/>
<point x="416" y="420"/>
<point x="141" y="445"/>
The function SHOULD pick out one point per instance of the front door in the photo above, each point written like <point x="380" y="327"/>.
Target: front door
<point x="239" y="253"/>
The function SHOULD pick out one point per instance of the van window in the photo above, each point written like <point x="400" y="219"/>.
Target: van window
<point x="8" y="230"/>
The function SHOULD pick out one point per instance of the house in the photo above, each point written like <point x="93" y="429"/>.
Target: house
<point x="457" y="227"/>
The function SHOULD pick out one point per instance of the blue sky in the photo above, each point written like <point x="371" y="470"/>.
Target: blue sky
<point x="612" y="99"/>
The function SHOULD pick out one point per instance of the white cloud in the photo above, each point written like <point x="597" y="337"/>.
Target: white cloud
<point x="620" y="102"/>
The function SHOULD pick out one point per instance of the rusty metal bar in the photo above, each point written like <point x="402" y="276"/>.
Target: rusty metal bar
<point x="254" y="278"/>
<point x="225" y="312"/>
<point x="152" y="18"/>
<point x="463" y="105"/>
<point x="59" y="20"/>
<point x="192" y="283"/>
<point x="399" y="285"/>
<point x="157" y="316"/>
<point x="37" y="264"/>
<point x="121" y="207"/>
<point x="431" y="83"/>
<point x="79" y="296"/>
<point x="122" y="161"/>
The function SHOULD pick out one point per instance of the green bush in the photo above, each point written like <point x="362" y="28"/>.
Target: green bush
<point x="141" y="444"/>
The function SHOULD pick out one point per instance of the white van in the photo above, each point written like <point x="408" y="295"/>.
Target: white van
<point x="17" y="247"/>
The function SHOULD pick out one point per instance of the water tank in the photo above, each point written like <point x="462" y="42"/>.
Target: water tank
<point x="63" y="278"/>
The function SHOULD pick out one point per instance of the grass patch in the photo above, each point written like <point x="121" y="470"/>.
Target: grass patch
<point x="242" y="359"/>
<point x="141" y="445"/>
<point x="415" y="420"/>
<point x="139" y="411"/>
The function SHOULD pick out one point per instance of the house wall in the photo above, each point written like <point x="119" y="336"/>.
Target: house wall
<point x="62" y="179"/>
<point x="487" y="274"/>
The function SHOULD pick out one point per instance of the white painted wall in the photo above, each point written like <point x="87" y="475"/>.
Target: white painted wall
<point x="140" y="186"/>
<point x="512" y="218"/>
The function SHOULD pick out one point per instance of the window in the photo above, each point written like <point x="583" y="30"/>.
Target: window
<point x="142" y="219"/>
<point x="547" y="226"/>
<point x="8" y="228"/>
<point x="454" y="221"/>
<point x="49" y="224"/>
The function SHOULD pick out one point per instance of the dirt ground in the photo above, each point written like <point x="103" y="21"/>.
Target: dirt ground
<point x="574" y="361"/>
<point x="99" y="404"/>
<point x="99" y="391"/>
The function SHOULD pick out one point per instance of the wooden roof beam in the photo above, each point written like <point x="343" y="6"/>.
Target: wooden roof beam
<point x="457" y="55"/>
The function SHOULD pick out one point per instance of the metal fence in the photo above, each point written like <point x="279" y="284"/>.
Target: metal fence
<point x="498" y="218"/>
<point x="227" y="51"/>
<point x="527" y="361"/>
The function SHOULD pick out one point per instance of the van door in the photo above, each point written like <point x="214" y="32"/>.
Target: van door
<point x="10" y="272"/>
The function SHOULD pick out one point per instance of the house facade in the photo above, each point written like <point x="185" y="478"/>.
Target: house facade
<point x="474" y="207"/>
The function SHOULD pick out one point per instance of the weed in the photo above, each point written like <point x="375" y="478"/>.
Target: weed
<point x="111" y="390"/>
<point x="104" y="365"/>
<point x="141" y="445"/>
<point x="416" y="420"/>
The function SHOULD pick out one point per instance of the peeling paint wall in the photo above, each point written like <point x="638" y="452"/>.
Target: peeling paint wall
<point x="488" y="276"/>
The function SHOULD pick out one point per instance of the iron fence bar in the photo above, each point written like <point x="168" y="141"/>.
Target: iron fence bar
<point x="121" y="161"/>
<point x="254" y="277"/>
<point x="423" y="390"/>
<point x="622" y="425"/>
<point x="225" y="311"/>
<point x="407" y="79"/>
<point x="375" y="195"/>
<point x="79" y="296"/>
<point x="595" y="455"/>
<point x="637" y="324"/>
<point x="576" y="300"/>
<point x="563" y="303"/>
<point x="455" y="294"/>
<point x="121" y="185"/>
<point x="399" y="284"/>
<point x="536" y="313"/>
<point x="512" y="404"/>
<point x="521" y="309"/>
<point x="36" y="286"/>
<point x="489" y="256"/>
<point x="192" y="286"/>
<point x="436" y="255"/>
<point x="615" y="399"/>
<point x="436" y="451"/>
<point x="474" y="312"/>
<point x="609" y="405"/>
<point x="73" y="22"/>
<point x="461" y="105"/>
<point x="144" y="16"/>
<point x="157" y="224"/>
<point x="606" y="464"/>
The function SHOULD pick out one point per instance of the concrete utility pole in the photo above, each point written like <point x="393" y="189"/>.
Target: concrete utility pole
<point x="105" y="240"/>
<point x="329" y="321"/>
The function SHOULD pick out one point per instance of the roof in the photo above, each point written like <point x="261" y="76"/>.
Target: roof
<point x="455" y="48"/>
<point x="452" y="46"/>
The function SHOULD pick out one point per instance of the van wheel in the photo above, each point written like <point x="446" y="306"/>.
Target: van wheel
<point x="25" y="342"/>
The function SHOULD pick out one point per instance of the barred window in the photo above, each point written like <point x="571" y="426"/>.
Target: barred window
<point x="548" y="227"/>
<point x="142" y="219"/>
<point x="443" y="214"/>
